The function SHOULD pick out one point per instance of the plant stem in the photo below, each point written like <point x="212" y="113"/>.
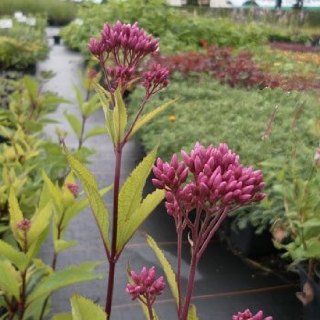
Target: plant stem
<point x="179" y="251"/>
<point x="82" y="132"/>
<point x="22" y="303"/>
<point x="191" y="278"/>
<point x="113" y="256"/>
<point x="149" y="306"/>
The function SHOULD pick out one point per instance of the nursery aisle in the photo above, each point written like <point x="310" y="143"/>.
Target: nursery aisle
<point x="225" y="284"/>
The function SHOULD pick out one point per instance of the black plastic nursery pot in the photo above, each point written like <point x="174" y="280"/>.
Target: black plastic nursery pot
<point x="247" y="241"/>
<point x="311" y="311"/>
<point x="56" y="39"/>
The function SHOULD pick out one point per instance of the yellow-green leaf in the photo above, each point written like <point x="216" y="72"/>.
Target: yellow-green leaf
<point x="131" y="192"/>
<point x="55" y="193"/>
<point x="63" y="278"/>
<point x="85" y="309"/>
<point x="61" y="245"/>
<point x="15" y="215"/>
<point x="62" y="316"/>
<point x="16" y="257"/>
<point x="39" y="223"/>
<point x="97" y="204"/>
<point x="192" y="314"/>
<point x="149" y="116"/>
<point x="9" y="279"/>
<point x="138" y="217"/>
<point x="120" y="117"/>
<point x="170" y="275"/>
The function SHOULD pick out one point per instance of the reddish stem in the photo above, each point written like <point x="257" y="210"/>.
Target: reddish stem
<point x="179" y="256"/>
<point x="113" y="255"/>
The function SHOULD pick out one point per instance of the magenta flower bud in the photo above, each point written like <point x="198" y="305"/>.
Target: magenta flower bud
<point x="73" y="188"/>
<point x="96" y="47"/>
<point x="145" y="285"/>
<point x="247" y="315"/>
<point x="24" y="224"/>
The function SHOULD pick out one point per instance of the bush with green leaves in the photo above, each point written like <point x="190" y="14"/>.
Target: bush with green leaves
<point x="58" y="12"/>
<point x="26" y="282"/>
<point x="210" y="112"/>
<point x="22" y="45"/>
<point x="178" y="29"/>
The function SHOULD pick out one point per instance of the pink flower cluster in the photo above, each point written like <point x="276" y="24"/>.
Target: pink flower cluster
<point x="145" y="285"/>
<point x="218" y="181"/>
<point x="127" y="45"/>
<point x="247" y="315"/>
<point x="24" y="225"/>
<point x="155" y="79"/>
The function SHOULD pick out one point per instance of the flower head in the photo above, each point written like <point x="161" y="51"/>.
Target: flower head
<point x="120" y="75"/>
<point x="24" y="224"/>
<point x="145" y="285"/>
<point x="247" y="315"/>
<point x="155" y="79"/>
<point x="218" y="182"/>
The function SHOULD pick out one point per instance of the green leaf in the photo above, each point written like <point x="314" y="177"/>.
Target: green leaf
<point x="120" y="117"/>
<point x="32" y="87"/>
<point x="79" y="96"/>
<point x="108" y="114"/>
<point x="170" y="275"/>
<point x="62" y="316"/>
<point x="130" y="195"/>
<point x="15" y="215"/>
<point x="149" y="116"/>
<point x="91" y="106"/>
<point x="138" y="217"/>
<point x="96" y="131"/>
<point x="84" y="309"/>
<point x="16" y="257"/>
<point x="63" y="278"/>
<point x="55" y="194"/>
<point x="9" y="280"/>
<point x="192" y="314"/>
<point x="79" y="206"/>
<point x="75" y="123"/>
<point x="61" y="245"/>
<point x="39" y="223"/>
<point x="35" y="247"/>
<point x="90" y="186"/>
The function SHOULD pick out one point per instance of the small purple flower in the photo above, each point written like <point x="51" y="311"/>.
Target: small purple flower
<point x="155" y="79"/>
<point x="247" y="315"/>
<point x="24" y="225"/>
<point x="120" y="75"/>
<point x="145" y="285"/>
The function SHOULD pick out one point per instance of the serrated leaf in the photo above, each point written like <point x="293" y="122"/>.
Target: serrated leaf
<point x="16" y="257"/>
<point x="79" y="206"/>
<point x="138" y="217"/>
<point x="84" y="309"/>
<point x="9" y="282"/>
<point x="15" y="215"/>
<point x="75" y="123"/>
<point x="192" y="314"/>
<point x="120" y="117"/>
<point x="130" y="195"/>
<point x="149" y="116"/>
<point x="170" y="275"/>
<point x="62" y="316"/>
<point x="35" y="247"/>
<point x="55" y="193"/>
<point x="97" y="205"/>
<point x="63" y="278"/>
<point x="79" y="96"/>
<point x="61" y="245"/>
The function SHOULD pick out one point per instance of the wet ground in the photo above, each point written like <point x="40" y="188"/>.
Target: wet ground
<point x="224" y="282"/>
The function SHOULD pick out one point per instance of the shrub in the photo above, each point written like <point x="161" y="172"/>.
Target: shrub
<point x="22" y="45"/>
<point x="58" y="12"/>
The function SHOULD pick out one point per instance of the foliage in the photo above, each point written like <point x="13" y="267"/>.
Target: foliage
<point x="235" y="69"/>
<point x="22" y="45"/>
<point x="58" y="12"/>
<point x="178" y="29"/>
<point x="243" y="119"/>
<point x="26" y="282"/>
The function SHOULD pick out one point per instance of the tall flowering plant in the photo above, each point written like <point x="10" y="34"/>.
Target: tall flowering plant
<point x="121" y="51"/>
<point x="200" y="191"/>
